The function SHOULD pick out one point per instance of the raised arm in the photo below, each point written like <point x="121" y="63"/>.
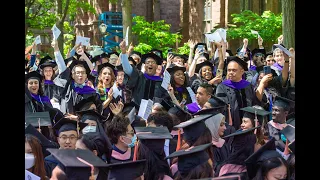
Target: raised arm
<point x="193" y="64"/>
<point x="191" y="46"/>
<point x="292" y="67"/>
<point x="262" y="85"/>
<point x="58" y="57"/>
<point x="127" y="68"/>
<point x="285" y="70"/>
<point x="169" y="60"/>
<point x="33" y="55"/>
<point x="80" y="51"/>
<point x="73" y="50"/>
<point x="260" y="41"/>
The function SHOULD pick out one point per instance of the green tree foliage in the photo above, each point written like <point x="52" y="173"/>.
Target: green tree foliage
<point x="185" y="49"/>
<point x="268" y="25"/>
<point x="155" y="35"/>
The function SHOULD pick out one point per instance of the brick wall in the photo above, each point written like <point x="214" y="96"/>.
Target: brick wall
<point x="170" y="12"/>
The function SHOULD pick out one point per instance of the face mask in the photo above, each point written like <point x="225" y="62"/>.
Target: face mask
<point x="89" y="129"/>
<point x="133" y="141"/>
<point x="29" y="161"/>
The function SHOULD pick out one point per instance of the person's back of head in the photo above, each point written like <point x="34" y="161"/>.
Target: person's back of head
<point x="160" y="119"/>
<point x="117" y="127"/>
<point x="204" y="170"/>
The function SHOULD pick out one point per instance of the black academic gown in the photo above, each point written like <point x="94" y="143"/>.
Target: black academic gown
<point x="50" y="163"/>
<point x="143" y="88"/>
<point x="122" y="159"/>
<point x="274" y="132"/>
<point x="195" y="82"/>
<point x="220" y="154"/>
<point x="69" y="97"/>
<point x="50" y="90"/>
<point x="237" y="98"/>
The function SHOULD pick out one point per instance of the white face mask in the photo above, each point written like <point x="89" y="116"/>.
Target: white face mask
<point x="29" y="160"/>
<point x="89" y="129"/>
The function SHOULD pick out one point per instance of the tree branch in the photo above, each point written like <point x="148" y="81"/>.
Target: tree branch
<point x="65" y="11"/>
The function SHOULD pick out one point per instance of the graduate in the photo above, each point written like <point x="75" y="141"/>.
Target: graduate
<point x="151" y="147"/>
<point x="72" y="82"/>
<point x="280" y="110"/>
<point x="47" y="66"/>
<point x="204" y="93"/>
<point x="144" y="85"/>
<point x="68" y="133"/>
<point x="236" y="91"/>
<point x="127" y="170"/>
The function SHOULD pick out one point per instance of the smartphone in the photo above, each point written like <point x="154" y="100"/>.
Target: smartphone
<point x="267" y="70"/>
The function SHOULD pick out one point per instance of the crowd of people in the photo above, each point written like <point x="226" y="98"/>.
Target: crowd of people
<point x="222" y="114"/>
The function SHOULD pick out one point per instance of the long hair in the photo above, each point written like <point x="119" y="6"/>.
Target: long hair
<point x="204" y="170"/>
<point x="35" y="144"/>
<point x="184" y="86"/>
<point x="100" y="83"/>
<point x="205" y="138"/>
<point x="270" y="164"/>
<point x="156" y="167"/>
<point x="40" y="90"/>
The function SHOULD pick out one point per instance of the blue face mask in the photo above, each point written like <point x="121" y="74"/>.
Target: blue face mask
<point x="133" y="141"/>
<point x="89" y="129"/>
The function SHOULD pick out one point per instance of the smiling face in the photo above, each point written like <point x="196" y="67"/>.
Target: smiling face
<point x="278" y="56"/>
<point x="206" y="72"/>
<point x="279" y="114"/>
<point x="246" y="123"/>
<point x="179" y="78"/>
<point x="177" y="61"/>
<point x="33" y="86"/>
<point x="150" y="66"/>
<point x="48" y="72"/>
<point x="222" y="127"/>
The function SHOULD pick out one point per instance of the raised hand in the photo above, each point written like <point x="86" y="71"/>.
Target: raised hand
<point x="191" y="44"/>
<point x="116" y="108"/>
<point x="122" y="46"/>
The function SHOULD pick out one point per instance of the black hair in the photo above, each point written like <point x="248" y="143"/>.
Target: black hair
<point x="203" y="170"/>
<point x="117" y="127"/>
<point x="270" y="164"/>
<point x="161" y="119"/>
<point x="208" y="88"/>
<point x="93" y="141"/>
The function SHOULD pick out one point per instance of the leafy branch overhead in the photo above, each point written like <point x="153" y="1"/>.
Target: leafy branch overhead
<point x="153" y="35"/>
<point x="269" y="25"/>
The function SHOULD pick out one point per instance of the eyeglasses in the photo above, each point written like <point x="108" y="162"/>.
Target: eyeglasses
<point x="71" y="138"/>
<point x="80" y="72"/>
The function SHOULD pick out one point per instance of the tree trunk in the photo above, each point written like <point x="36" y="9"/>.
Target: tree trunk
<point x="156" y="10"/>
<point x="288" y="23"/>
<point x="149" y="16"/>
<point x="184" y="20"/>
<point x="127" y="19"/>
<point x="234" y="7"/>
<point x="196" y="20"/>
<point x="222" y="13"/>
<point x="59" y="25"/>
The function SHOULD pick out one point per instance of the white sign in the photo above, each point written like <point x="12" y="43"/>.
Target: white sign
<point x="214" y="37"/>
<point x="283" y="49"/>
<point x="56" y="105"/>
<point x="30" y="176"/>
<point x="83" y="40"/>
<point x="223" y="34"/>
<point x="37" y="40"/>
<point x="192" y="94"/>
<point x="127" y="37"/>
<point x="145" y="108"/>
<point x="166" y="80"/>
<point x="131" y="115"/>
<point x="56" y="32"/>
<point x="116" y="91"/>
<point x="255" y="32"/>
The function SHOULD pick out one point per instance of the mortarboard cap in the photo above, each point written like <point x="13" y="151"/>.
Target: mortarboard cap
<point x="119" y="68"/>
<point x="251" y="111"/>
<point x="128" y="106"/>
<point x="153" y="137"/>
<point x="132" y="60"/>
<point x="182" y="56"/>
<point x="180" y="113"/>
<point x="291" y="121"/>
<point x="75" y="168"/>
<point x="266" y="151"/>
<point x="100" y="67"/>
<point x="90" y="100"/>
<point x="126" y="170"/>
<point x="292" y="147"/>
<point x="72" y="58"/>
<point x="83" y="63"/>
<point x="284" y="103"/>
<point x="256" y="51"/>
<point x="66" y="124"/>
<point x="164" y="103"/>
<point x="243" y="132"/>
<point x="33" y="75"/>
<point x="150" y="133"/>
<point x="38" y="118"/>
<point x="173" y="68"/>
<point x="216" y="102"/>
<point x="104" y="55"/>
<point x="136" y="52"/>
<point x="190" y="158"/>
<point x="289" y="132"/>
<point x="157" y="52"/>
<point x="275" y="47"/>
<point x="193" y="128"/>
<point x="153" y="56"/>
<point x="90" y="114"/>
<point x="33" y="131"/>
<point x="47" y="61"/>
<point x="204" y="63"/>
<point x="213" y="111"/>
<point x="236" y="59"/>
<point x="113" y="54"/>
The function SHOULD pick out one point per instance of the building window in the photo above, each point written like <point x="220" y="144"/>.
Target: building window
<point x="207" y="10"/>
